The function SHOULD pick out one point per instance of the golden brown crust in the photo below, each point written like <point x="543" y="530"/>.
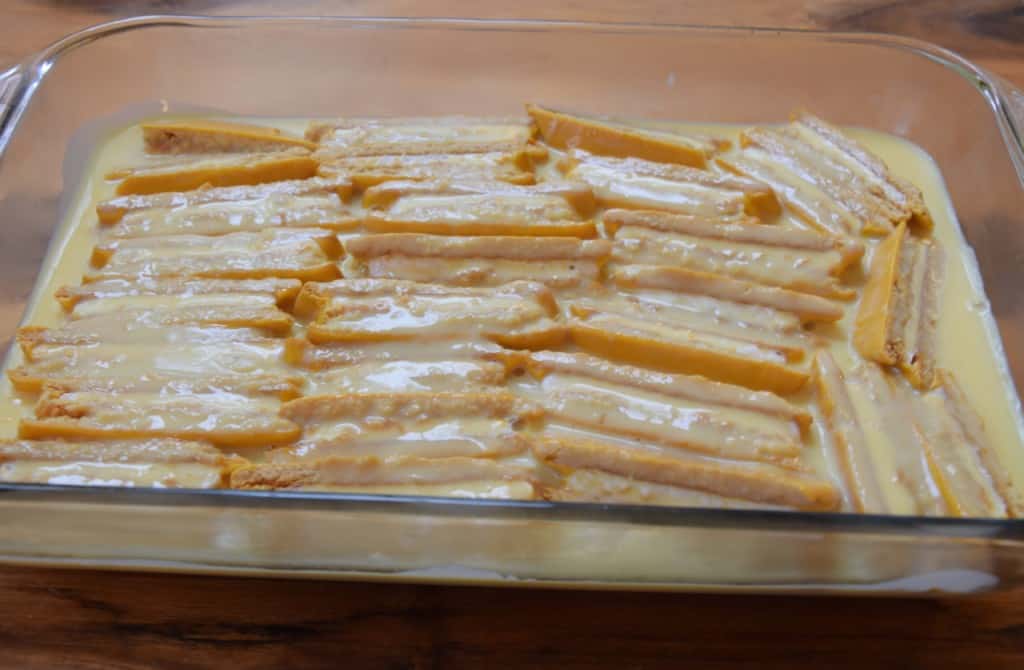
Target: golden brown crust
<point x="919" y="358"/>
<point x="897" y="317"/>
<point x="198" y="136"/>
<point x="248" y="169"/>
<point x="608" y="138"/>
<point x="625" y="340"/>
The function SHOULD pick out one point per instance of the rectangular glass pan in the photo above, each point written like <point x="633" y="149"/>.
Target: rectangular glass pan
<point x="328" y="67"/>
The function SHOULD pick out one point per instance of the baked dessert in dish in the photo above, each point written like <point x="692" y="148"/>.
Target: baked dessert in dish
<point x="550" y="307"/>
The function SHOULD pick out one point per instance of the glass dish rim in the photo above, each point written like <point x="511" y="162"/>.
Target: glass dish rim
<point x="19" y="83"/>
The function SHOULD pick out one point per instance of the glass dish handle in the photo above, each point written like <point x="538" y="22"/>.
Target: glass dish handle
<point x="9" y="81"/>
<point x="1013" y="104"/>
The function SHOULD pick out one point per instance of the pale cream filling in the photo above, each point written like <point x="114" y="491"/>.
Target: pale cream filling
<point x="809" y="203"/>
<point x="647" y="192"/>
<point x="86" y="473"/>
<point x="397" y="139"/>
<point x="406" y="375"/>
<point x="668" y="421"/>
<point x="776" y="266"/>
<point x="477" y="271"/>
<point x="219" y="218"/>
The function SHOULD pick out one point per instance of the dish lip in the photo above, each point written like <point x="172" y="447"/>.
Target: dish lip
<point x="1004" y="530"/>
<point x="19" y="83"/>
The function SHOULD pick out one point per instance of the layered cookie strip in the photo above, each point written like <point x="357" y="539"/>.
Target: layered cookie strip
<point x="598" y="486"/>
<point x="621" y="334"/>
<point x="903" y="452"/>
<point x="638" y="184"/>
<point x="555" y="307"/>
<point x="665" y="412"/>
<point x="127" y="354"/>
<point x="642" y="436"/>
<point x="484" y="424"/>
<point x="157" y="463"/>
<point x="434" y="374"/>
<point x="307" y="254"/>
<point x="558" y="262"/>
<point x="612" y="138"/>
<point x="112" y="210"/>
<point x="513" y="167"/>
<point x="428" y="443"/>
<point x="848" y="438"/>
<point x="518" y="315"/>
<point x="281" y="291"/>
<point x="163" y="358"/>
<point x="726" y="299"/>
<point x="377" y="367"/>
<point x="193" y="172"/>
<point x="740" y="483"/>
<point x="961" y="456"/>
<point x="161" y="333"/>
<point x="314" y="210"/>
<point x="253" y="303"/>
<point x="420" y="136"/>
<point x="457" y="477"/>
<point x="76" y="411"/>
<point x="303" y="354"/>
<point x="681" y="321"/>
<point x="202" y="136"/>
<point x="899" y="310"/>
<point x="480" y="209"/>
<point x="784" y="257"/>
<point x="828" y="179"/>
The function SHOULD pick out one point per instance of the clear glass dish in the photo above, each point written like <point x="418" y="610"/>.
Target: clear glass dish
<point x="970" y="123"/>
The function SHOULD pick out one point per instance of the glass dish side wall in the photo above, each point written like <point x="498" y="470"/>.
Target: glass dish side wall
<point x="528" y="545"/>
<point x="365" y="67"/>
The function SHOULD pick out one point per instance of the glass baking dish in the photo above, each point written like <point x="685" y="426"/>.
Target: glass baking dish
<point x="52" y="104"/>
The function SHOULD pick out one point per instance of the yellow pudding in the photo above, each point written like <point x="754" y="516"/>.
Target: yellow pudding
<point x="551" y="307"/>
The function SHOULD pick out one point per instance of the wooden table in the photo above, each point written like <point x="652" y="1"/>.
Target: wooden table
<point x="51" y="618"/>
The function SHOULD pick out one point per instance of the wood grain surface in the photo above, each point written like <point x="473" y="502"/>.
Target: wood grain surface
<point x="119" y="620"/>
<point x="79" y="619"/>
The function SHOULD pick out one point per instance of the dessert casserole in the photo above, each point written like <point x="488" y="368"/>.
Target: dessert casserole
<point x="557" y="306"/>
